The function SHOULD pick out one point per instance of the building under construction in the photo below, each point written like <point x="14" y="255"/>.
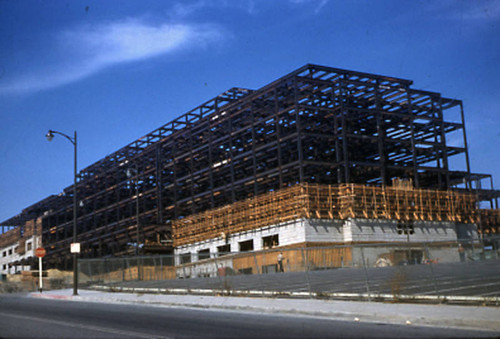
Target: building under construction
<point x="319" y="145"/>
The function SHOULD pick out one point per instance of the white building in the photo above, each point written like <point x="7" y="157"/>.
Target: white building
<point x="17" y="247"/>
<point x="13" y="254"/>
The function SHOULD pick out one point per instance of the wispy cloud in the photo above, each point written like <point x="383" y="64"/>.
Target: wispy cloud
<point x="318" y="4"/>
<point x="184" y="9"/>
<point x="82" y="51"/>
<point x="187" y="8"/>
<point x="466" y="10"/>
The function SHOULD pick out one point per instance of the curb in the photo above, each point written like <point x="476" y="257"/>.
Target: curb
<point x="491" y="301"/>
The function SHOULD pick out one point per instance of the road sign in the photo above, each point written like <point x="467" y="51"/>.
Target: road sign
<point x="40" y="252"/>
<point x="75" y="247"/>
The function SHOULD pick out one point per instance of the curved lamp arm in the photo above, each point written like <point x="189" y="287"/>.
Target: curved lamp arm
<point x="50" y="136"/>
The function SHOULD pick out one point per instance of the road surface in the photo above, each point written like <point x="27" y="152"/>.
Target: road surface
<point x="24" y="317"/>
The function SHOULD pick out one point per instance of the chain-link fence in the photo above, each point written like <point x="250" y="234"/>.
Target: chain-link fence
<point x="370" y="271"/>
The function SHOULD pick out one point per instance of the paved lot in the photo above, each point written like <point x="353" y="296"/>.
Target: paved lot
<point x="472" y="279"/>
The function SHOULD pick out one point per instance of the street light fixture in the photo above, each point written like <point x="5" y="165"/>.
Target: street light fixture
<point x="50" y="136"/>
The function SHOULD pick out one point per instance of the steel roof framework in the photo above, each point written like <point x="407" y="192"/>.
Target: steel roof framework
<point x="315" y="125"/>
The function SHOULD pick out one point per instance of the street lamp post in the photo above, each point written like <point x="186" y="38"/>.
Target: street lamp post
<point x="50" y="136"/>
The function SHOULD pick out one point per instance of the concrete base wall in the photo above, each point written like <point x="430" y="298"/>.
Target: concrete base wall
<point x="324" y="231"/>
<point x="351" y="231"/>
<point x="366" y="230"/>
<point x="288" y="234"/>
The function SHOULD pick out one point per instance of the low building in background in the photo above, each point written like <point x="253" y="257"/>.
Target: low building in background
<point x="17" y="247"/>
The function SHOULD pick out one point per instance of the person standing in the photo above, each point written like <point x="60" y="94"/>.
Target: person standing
<point x="461" y="252"/>
<point x="280" y="262"/>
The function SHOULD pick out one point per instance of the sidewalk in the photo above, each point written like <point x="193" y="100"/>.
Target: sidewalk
<point x="470" y="317"/>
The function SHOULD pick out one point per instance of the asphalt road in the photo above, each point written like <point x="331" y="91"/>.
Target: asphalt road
<point x="22" y="317"/>
<point x="453" y="279"/>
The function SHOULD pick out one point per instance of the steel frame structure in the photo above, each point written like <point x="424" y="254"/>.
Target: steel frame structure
<point x="317" y="124"/>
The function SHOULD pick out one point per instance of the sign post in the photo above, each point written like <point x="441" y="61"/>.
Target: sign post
<point x="40" y="253"/>
<point x="75" y="249"/>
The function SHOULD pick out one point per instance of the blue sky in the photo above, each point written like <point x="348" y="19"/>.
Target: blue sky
<point x="116" y="70"/>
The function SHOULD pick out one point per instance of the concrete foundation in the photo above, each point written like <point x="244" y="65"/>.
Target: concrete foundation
<point x="394" y="241"/>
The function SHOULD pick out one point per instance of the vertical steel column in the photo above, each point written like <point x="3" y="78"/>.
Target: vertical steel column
<point x="231" y="163"/>
<point x="344" y="132"/>
<point x="380" y="135"/>
<point x="174" y="167"/>
<point x="412" y="131"/>
<point x="159" y="185"/>
<point x="444" y="148"/>
<point x="117" y="197"/>
<point x="467" y="162"/>
<point x="137" y="209"/>
<point x="437" y="145"/>
<point x="210" y="158"/>
<point x="299" y="133"/>
<point x="337" y="142"/>
<point x="278" y="137"/>
<point x="254" y="159"/>
<point x="106" y="212"/>
<point x="493" y="199"/>
<point x="191" y="164"/>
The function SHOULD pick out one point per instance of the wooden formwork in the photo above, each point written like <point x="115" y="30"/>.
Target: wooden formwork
<point x="253" y="261"/>
<point x="314" y="201"/>
<point x="322" y="201"/>
<point x="370" y="202"/>
<point x="490" y="221"/>
<point x="268" y="209"/>
<point x="327" y="257"/>
<point x="294" y="260"/>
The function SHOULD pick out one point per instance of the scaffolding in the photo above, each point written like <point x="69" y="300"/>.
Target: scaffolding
<point x="489" y="221"/>
<point x="314" y="201"/>
<point x="359" y="201"/>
